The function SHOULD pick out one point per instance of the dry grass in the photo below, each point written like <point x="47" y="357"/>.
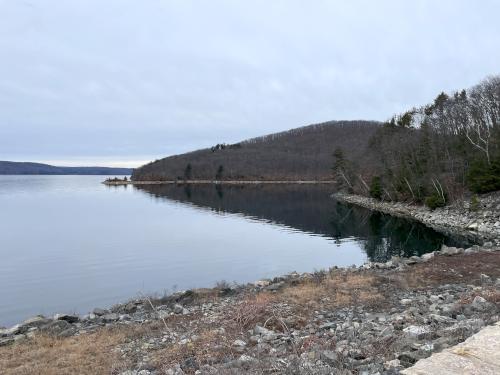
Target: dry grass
<point x="87" y="354"/>
<point x="453" y="269"/>
<point x="337" y="289"/>
<point x="209" y="346"/>
<point x="251" y="310"/>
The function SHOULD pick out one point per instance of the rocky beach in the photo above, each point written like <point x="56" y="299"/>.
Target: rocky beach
<point x="477" y="219"/>
<point x="375" y="319"/>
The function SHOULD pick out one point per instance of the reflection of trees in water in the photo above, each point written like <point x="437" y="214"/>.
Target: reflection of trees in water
<point x="310" y="208"/>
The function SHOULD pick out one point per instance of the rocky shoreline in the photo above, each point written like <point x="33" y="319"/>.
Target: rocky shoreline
<point x="378" y="318"/>
<point x="479" y="222"/>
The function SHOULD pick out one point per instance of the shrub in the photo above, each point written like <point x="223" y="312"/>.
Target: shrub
<point x="483" y="178"/>
<point x="434" y="201"/>
<point x="376" y="188"/>
<point x="474" y="203"/>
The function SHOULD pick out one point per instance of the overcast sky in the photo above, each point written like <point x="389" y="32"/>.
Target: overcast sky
<point x="123" y="82"/>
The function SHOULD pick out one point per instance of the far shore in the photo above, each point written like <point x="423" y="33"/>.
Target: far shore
<point x="216" y="182"/>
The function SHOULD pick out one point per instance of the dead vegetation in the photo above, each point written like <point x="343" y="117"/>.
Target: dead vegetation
<point x="86" y="354"/>
<point x="336" y="289"/>
<point x="452" y="269"/>
<point x="203" y="339"/>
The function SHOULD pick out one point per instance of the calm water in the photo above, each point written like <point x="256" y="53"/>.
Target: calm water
<point x="69" y="243"/>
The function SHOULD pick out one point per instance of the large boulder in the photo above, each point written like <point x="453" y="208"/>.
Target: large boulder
<point x="67" y="317"/>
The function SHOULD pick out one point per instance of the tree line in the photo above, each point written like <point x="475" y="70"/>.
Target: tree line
<point x="435" y="153"/>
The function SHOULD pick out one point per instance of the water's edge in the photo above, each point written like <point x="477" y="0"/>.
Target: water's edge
<point x="481" y="224"/>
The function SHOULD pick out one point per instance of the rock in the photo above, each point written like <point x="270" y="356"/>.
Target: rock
<point x="176" y="370"/>
<point x="55" y="327"/>
<point x="473" y="226"/>
<point x="129" y="308"/>
<point x="395" y="363"/>
<point x="266" y="334"/>
<point x="418" y="332"/>
<point x="488" y="244"/>
<point x="436" y="299"/>
<point x="111" y="317"/>
<point x="427" y="257"/>
<point x="97" y="311"/>
<point x="239" y="343"/>
<point x="246" y="358"/>
<point x="31" y="323"/>
<point x="162" y="314"/>
<point x="445" y="250"/>
<point x="409" y="358"/>
<point x="464" y="327"/>
<point x="259" y="330"/>
<point x="276" y="286"/>
<point x="178" y="309"/>
<point x="477" y="355"/>
<point x="327" y="325"/>
<point x="440" y="318"/>
<point x="485" y="279"/>
<point x="6" y="341"/>
<point x="14" y="330"/>
<point x="405" y="301"/>
<point x="328" y="356"/>
<point x="480" y="304"/>
<point x="470" y="250"/>
<point x="190" y="364"/>
<point x="67" y="317"/>
<point x="36" y="321"/>
<point x="261" y="283"/>
<point x="412" y="260"/>
<point x="427" y="347"/>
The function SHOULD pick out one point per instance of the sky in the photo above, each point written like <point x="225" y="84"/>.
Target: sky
<point x="123" y="82"/>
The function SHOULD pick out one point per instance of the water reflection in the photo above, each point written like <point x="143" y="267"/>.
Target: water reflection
<point x="310" y="209"/>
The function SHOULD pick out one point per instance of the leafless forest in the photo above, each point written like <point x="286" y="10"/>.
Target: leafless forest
<point x="304" y="153"/>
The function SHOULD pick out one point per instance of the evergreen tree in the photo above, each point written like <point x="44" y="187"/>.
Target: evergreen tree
<point x="188" y="171"/>
<point x="220" y="171"/>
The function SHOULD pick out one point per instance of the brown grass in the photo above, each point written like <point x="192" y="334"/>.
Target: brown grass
<point x="291" y="307"/>
<point x="251" y="310"/>
<point x="210" y="346"/>
<point x="452" y="269"/>
<point x="43" y="355"/>
<point x="337" y="289"/>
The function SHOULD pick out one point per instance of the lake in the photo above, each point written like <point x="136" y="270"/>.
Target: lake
<point x="69" y="243"/>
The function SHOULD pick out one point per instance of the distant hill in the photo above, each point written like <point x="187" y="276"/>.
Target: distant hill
<point x="304" y="153"/>
<point x="11" y="167"/>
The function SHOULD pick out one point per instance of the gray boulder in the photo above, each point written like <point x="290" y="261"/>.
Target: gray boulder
<point x="67" y="317"/>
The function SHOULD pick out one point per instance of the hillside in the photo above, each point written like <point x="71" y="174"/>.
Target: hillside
<point x="11" y="167"/>
<point x="304" y="153"/>
<point x="436" y="153"/>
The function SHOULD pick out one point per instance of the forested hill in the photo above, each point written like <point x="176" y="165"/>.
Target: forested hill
<point x="435" y="153"/>
<point x="304" y="153"/>
<point x="18" y="168"/>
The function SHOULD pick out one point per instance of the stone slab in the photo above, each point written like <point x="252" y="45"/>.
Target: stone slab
<point x="478" y="355"/>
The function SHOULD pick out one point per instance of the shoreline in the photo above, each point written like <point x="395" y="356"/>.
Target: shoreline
<point x="482" y="224"/>
<point x="416" y="306"/>
<point x="215" y="182"/>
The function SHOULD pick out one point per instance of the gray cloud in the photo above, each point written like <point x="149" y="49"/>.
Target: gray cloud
<point x="103" y="81"/>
